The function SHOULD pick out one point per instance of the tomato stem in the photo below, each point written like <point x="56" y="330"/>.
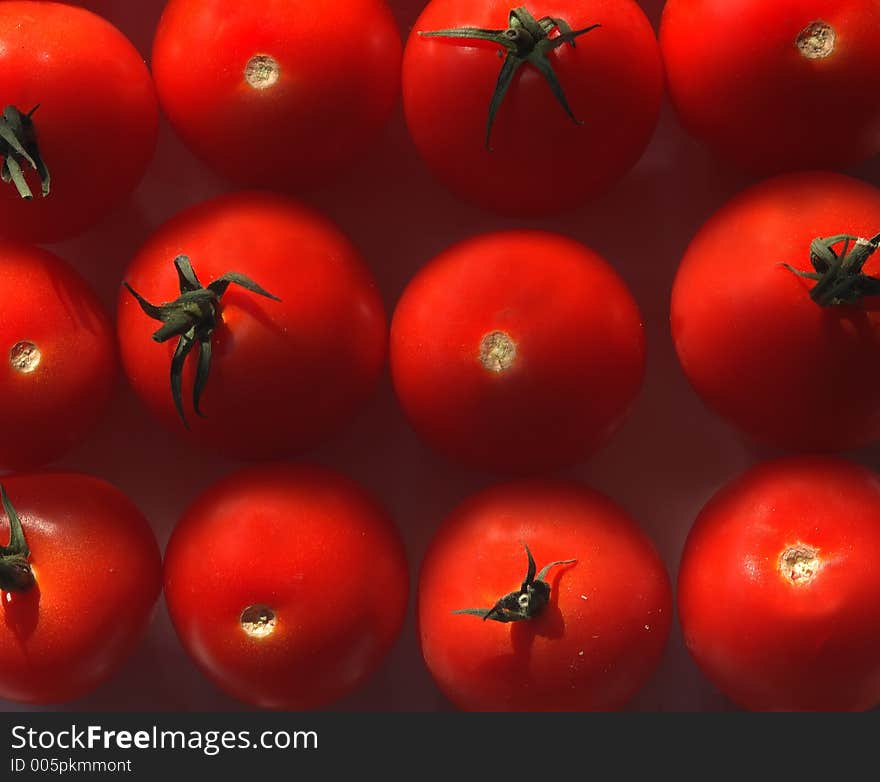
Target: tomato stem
<point x="192" y="318"/>
<point x="18" y="147"/>
<point x="526" y="39"/>
<point x="527" y="602"/>
<point x="838" y="275"/>
<point x="16" y="574"/>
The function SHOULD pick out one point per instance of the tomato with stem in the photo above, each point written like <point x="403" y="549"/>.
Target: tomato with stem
<point x="529" y="110"/>
<point x="78" y="582"/>
<point x="583" y="633"/>
<point x="268" y="324"/>
<point x="79" y="120"/>
<point x="774" y="312"/>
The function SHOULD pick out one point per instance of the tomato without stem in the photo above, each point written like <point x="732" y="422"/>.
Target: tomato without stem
<point x="59" y="364"/>
<point x="777" y="84"/>
<point x="94" y="129"/>
<point x="74" y="608"/>
<point x="790" y="360"/>
<point x="546" y="151"/>
<point x="779" y="587"/>
<point x="519" y="351"/>
<point x="282" y="93"/>
<point x="303" y="617"/>
<point x="582" y="636"/>
<point x="285" y="371"/>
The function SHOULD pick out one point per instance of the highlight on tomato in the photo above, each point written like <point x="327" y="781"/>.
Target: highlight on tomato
<point x="78" y="582"/>
<point x="517" y="351"/>
<point x="531" y="109"/>
<point x="79" y="120"/>
<point x="59" y="365"/>
<point x="281" y="93"/>
<point x="264" y="316"/>
<point x="774" y="312"/>
<point x="542" y="596"/>
<point x="776" y="85"/>
<point x="778" y="587"/>
<point x="287" y="585"/>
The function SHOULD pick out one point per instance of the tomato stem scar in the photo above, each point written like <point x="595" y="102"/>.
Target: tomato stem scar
<point x="817" y="40"/>
<point x="799" y="564"/>
<point x="25" y="357"/>
<point x="497" y="352"/>
<point x="838" y="275"/>
<point x="192" y="317"/>
<point x="527" y="602"/>
<point x="258" y="621"/>
<point x="527" y="40"/>
<point x="16" y="574"/>
<point x="18" y="147"/>
<point x="262" y="71"/>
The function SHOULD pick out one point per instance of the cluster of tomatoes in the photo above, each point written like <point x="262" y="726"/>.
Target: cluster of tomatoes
<point x="251" y="325"/>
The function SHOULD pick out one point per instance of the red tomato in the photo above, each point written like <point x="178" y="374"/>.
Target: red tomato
<point x="61" y="364"/>
<point x="285" y="93"/>
<point x="546" y="152"/>
<point x="299" y="622"/>
<point x="588" y="645"/>
<point x="754" y="338"/>
<point x="284" y="374"/>
<point x="82" y="604"/>
<point x="519" y="351"/>
<point x="779" y="587"/>
<point x="777" y="84"/>
<point x="95" y="127"/>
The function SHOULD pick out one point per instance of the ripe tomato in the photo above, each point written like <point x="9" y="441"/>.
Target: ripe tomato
<point x="777" y="84"/>
<point x="286" y="93"/>
<point x="574" y="119"/>
<point x="283" y="374"/>
<point x="588" y="635"/>
<point x="74" y="608"/>
<point x="95" y="128"/>
<point x="306" y="617"/>
<point x="519" y="350"/>
<point x="60" y="367"/>
<point x="789" y="360"/>
<point x="779" y="587"/>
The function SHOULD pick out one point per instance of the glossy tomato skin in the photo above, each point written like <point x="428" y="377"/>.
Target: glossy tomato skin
<point x="98" y="574"/>
<point x="59" y="364"/>
<point x="337" y="82"/>
<point x="284" y="375"/>
<point x="597" y="641"/>
<point x="575" y="367"/>
<point x="741" y="82"/>
<point x="773" y="633"/>
<point x="330" y="565"/>
<point x="540" y="162"/>
<point x="752" y="342"/>
<point x="97" y="120"/>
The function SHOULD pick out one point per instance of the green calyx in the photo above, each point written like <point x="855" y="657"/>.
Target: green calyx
<point x="838" y="275"/>
<point x="527" y="602"/>
<point x="16" y="574"/>
<point x="192" y="318"/>
<point x="527" y="40"/>
<point x="18" y="148"/>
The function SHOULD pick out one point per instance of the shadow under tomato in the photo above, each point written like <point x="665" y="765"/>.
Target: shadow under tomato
<point x="21" y="612"/>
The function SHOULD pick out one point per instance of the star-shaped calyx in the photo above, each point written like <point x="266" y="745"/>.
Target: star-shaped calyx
<point x="192" y="318"/>
<point x="18" y="148"/>
<point x="15" y="569"/>
<point x="525" y="603"/>
<point x="838" y="275"/>
<point x="526" y="40"/>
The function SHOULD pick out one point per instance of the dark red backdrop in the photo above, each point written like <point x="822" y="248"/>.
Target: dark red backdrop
<point x="669" y="458"/>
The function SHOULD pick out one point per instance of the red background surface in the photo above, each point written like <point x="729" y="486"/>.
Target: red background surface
<point x="668" y="459"/>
